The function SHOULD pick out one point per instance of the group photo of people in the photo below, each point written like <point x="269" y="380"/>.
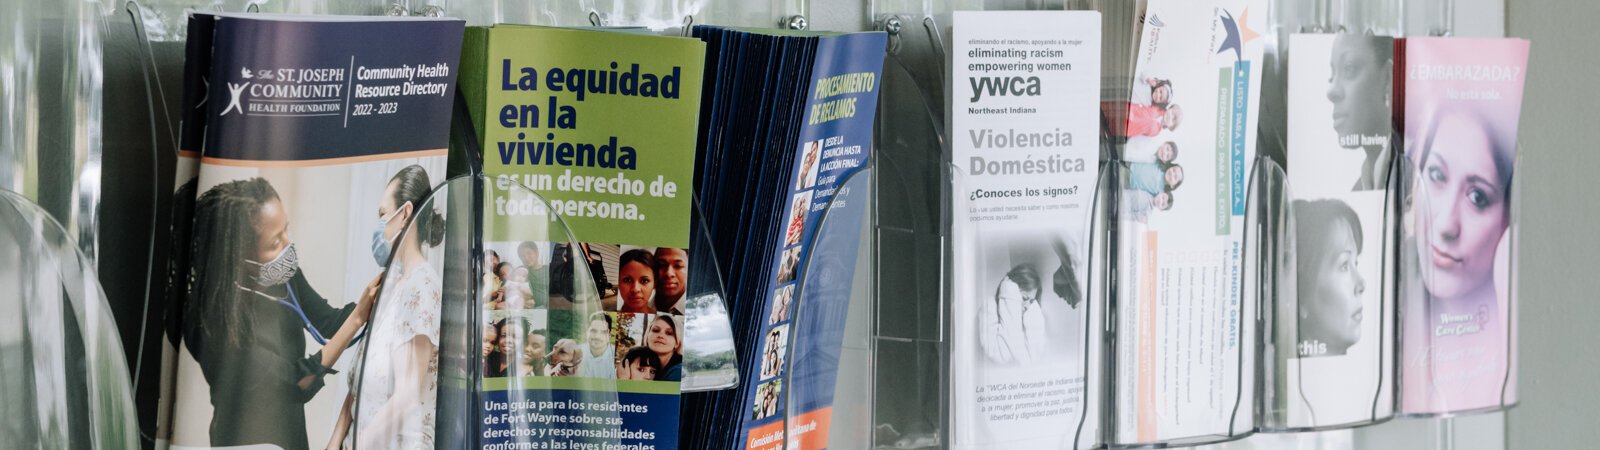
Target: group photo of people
<point x="590" y="310"/>
<point x="775" y="351"/>
<point x="767" y="399"/>
<point x="1150" y="150"/>
<point x="599" y="344"/>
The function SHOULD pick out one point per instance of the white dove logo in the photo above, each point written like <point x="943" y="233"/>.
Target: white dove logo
<point x="245" y="72"/>
<point x="238" y="91"/>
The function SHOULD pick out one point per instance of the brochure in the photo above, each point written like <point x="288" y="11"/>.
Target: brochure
<point x="1184" y="353"/>
<point x="1460" y="102"/>
<point x="789" y="384"/>
<point x="186" y="171"/>
<point x="1334" y="332"/>
<point x="321" y="148"/>
<point x="589" y="150"/>
<point x="1025" y="363"/>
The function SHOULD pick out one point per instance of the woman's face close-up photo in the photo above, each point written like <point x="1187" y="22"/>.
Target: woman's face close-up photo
<point x="1333" y="314"/>
<point x="1173" y="176"/>
<point x="1161" y="94"/>
<point x="272" y="231"/>
<point x="1463" y="209"/>
<point x="663" y="338"/>
<point x="637" y="282"/>
<point x="599" y="336"/>
<point x="1358" y="86"/>
<point x="508" y="343"/>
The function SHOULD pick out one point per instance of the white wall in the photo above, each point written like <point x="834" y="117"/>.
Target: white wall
<point x="1560" y="360"/>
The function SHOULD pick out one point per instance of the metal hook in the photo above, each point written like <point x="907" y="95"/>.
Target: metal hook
<point x="688" y="25"/>
<point x="253" y="8"/>
<point x="933" y="30"/>
<point x="938" y="46"/>
<point x="431" y="11"/>
<point x="796" y="22"/>
<point x="892" y="25"/>
<point x="595" y="19"/>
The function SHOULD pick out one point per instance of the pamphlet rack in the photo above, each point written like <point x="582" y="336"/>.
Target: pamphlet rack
<point x="66" y="384"/>
<point x="97" y="155"/>
<point x="556" y="311"/>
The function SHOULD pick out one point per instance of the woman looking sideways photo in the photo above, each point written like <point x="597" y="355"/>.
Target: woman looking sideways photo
<point x="1329" y="283"/>
<point x="1358" y="86"/>
<point x="398" y="372"/>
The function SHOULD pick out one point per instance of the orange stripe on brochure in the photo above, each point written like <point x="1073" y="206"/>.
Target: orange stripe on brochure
<point x="807" y="431"/>
<point x="1147" y="340"/>
<point x="322" y="162"/>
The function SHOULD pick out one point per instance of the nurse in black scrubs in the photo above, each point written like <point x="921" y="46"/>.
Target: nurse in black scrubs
<point x="249" y="313"/>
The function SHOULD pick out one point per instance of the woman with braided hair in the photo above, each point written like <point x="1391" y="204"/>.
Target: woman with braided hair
<point x="248" y="312"/>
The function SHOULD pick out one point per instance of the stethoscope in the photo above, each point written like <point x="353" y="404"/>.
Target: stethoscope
<point x="293" y="303"/>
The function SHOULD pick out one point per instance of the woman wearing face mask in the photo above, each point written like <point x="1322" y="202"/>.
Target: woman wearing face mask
<point x="1456" y="343"/>
<point x="1329" y="284"/>
<point x="663" y="338"/>
<point x="248" y="314"/>
<point x="399" y="371"/>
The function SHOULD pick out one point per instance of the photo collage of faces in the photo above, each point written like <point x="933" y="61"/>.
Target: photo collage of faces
<point x="535" y="326"/>
<point x="775" y="352"/>
<point x="1153" y="170"/>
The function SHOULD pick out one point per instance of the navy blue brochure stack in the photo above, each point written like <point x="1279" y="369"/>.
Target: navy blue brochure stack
<point x="786" y="119"/>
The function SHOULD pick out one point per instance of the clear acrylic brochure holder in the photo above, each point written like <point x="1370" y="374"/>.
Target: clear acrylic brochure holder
<point x="66" y="383"/>
<point x="507" y="333"/>
<point x="1141" y="325"/>
<point x="1294" y="389"/>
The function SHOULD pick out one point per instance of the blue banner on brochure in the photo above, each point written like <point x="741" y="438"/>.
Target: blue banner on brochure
<point x="1241" y="113"/>
<point x="578" y="419"/>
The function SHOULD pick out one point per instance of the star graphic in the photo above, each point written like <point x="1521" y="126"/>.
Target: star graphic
<point x="1230" y="39"/>
<point x="1245" y="33"/>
